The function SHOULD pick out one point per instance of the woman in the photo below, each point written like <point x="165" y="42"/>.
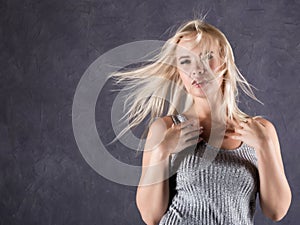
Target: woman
<point x="214" y="156"/>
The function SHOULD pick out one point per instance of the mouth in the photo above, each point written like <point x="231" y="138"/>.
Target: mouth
<point x="198" y="84"/>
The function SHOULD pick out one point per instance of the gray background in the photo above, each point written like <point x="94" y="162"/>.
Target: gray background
<point x="45" y="47"/>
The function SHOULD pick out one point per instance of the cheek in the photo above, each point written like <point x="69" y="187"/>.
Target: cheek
<point x="183" y="74"/>
<point x="185" y="80"/>
<point x="213" y="64"/>
<point x="184" y="70"/>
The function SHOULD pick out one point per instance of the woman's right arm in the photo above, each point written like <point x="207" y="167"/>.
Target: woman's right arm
<point x="162" y="140"/>
<point x="152" y="200"/>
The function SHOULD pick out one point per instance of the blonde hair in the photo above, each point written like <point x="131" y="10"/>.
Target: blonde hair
<point x="150" y="85"/>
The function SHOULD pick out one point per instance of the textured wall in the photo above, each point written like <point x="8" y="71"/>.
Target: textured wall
<point x="45" y="47"/>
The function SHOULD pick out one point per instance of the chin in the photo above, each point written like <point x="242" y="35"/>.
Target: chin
<point x="198" y="93"/>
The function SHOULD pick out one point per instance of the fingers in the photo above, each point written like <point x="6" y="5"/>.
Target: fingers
<point x="239" y="131"/>
<point x="189" y="133"/>
<point x="242" y="123"/>
<point x="233" y="135"/>
<point x="193" y="133"/>
<point x="236" y="124"/>
<point x="236" y="137"/>
<point x="192" y="142"/>
<point x="247" y="123"/>
<point x="188" y="123"/>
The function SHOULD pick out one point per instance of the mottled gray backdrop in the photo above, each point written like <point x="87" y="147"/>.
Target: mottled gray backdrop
<point x="46" y="46"/>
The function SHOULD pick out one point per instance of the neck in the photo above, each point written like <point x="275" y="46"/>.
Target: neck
<point x="202" y="107"/>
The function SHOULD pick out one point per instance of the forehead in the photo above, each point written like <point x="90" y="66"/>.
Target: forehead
<point x="190" y="45"/>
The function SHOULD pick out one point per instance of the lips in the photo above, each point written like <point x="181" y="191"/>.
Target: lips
<point x="198" y="83"/>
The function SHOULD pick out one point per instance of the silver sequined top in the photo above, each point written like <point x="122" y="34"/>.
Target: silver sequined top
<point x="213" y="186"/>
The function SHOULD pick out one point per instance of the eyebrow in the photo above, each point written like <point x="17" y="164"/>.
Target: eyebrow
<point x="185" y="56"/>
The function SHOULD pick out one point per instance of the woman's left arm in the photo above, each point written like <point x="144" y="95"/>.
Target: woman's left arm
<point x="274" y="193"/>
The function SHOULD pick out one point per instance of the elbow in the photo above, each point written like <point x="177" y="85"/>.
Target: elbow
<point x="149" y="220"/>
<point x="277" y="217"/>
<point x="279" y="212"/>
<point x="148" y="215"/>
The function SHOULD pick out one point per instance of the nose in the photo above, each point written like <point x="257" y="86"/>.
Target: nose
<point x="198" y="70"/>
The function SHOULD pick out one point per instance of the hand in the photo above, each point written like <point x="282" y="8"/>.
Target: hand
<point x="181" y="136"/>
<point x="252" y="132"/>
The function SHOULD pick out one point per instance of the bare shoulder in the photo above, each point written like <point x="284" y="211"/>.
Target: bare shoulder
<point x="272" y="133"/>
<point x="266" y="123"/>
<point x="157" y="130"/>
<point x="161" y="124"/>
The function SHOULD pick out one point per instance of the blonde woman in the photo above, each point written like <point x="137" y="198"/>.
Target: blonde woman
<point x="205" y="160"/>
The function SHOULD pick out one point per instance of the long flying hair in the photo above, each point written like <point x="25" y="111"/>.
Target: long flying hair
<point x="156" y="87"/>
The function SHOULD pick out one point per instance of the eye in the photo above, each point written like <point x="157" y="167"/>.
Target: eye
<point x="187" y="61"/>
<point x="208" y="55"/>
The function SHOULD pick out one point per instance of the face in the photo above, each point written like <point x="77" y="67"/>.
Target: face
<point x="199" y="67"/>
